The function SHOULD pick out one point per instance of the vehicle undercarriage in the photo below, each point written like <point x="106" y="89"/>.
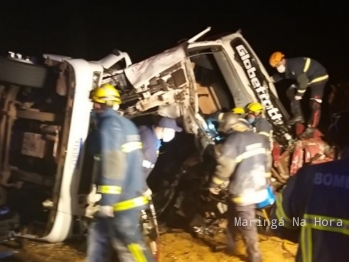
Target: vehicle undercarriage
<point x="34" y="128"/>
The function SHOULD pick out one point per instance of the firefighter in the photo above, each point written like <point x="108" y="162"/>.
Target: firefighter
<point x="244" y="163"/>
<point x="217" y="116"/>
<point x="120" y="183"/>
<point x="314" y="207"/>
<point x="151" y="137"/>
<point x="306" y="72"/>
<point x="260" y="124"/>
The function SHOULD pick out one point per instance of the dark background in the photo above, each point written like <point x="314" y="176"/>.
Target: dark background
<point x="91" y="29"/>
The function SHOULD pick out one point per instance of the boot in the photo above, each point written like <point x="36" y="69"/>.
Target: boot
<point x="315" y="114"/>
<point x="313" y="121"/>
<point x="296" y="112"/>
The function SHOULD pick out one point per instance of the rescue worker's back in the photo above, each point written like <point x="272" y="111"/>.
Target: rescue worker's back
<point x="296" y="67"/>
<point x="244" y="161"/>
<point x="315" y="202"/>
<point x="120" y="183"/>
<point x="127" y="152"/>
<point x="249" y="150"/>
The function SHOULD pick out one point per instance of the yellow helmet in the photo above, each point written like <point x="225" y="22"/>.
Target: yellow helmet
<point x="276" y="58"/>
<point x="106" y="94"/>
<point x="238" y="111"/>
<point x="255" y="107"/>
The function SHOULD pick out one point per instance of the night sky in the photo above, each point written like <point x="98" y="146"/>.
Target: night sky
<point x="91" y="29"/>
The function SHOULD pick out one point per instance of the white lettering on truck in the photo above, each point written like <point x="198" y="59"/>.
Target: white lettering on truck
<point x="261" y="91"/>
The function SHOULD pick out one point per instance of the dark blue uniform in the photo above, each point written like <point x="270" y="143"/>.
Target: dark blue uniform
<point x="245" y="163"/>
<point x="307" y="73"/>
<point x="244" y="154"/>
<point x="151" y="146"/>
<point x="121" y="184"/>
<point x="264" y="128"/>
<point x="314" y="205"/>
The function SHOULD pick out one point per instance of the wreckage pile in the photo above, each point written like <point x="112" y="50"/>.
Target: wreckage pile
<point x="319" y="149"/>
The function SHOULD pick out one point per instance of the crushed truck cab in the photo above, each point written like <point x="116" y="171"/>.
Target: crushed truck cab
<point x="197" y="78"/>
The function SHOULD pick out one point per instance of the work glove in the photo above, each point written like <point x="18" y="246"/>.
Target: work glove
<point x="148" y="193"/>
<point x="93" y="196"/>
<point x="297" y="97"/>
<point x="214" y="191"/>
<point x="106" y="211"/>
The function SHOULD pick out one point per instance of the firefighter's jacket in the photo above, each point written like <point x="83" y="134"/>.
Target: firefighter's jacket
<point x="314" y="205"/>
<point x="120" y="179"/>
<point x="305" y="71"/>
<point x="245" y="161"/>
<point x="151" y="146"/>
<point x="264" y="128"/>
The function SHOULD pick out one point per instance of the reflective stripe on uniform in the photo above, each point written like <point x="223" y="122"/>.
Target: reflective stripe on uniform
<point x="307" y="65"/>
<point x="137" y="252"/>
<point x="301" y="90"/>
<point x="220" y="117"/>
<point x="280" y="213"/>
<point x="317" y="100"/>
<point x="253" y="152"/>
<point x="109" y="189"/>
<point x="147" y="164"/>
<point x="318" y="79"/>
<point x="306" y="245"/>
<point x="324" y="223"/>
<point x="131" y="203"/>
<point x="264" y="133"/>
<point x="131" y="146"/>
<point x="217" y="181"/>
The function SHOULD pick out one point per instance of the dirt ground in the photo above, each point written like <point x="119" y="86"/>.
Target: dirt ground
<point x="175" y="247"/>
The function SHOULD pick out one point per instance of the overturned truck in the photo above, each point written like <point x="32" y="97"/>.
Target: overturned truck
<point x="44" y="166"/>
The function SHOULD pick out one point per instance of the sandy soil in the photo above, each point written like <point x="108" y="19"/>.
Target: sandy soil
<point x="182" y="247"/>
<point x="175" y="247"/>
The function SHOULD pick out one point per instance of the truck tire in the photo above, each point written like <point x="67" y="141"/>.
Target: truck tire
<point x="23" y="74"/>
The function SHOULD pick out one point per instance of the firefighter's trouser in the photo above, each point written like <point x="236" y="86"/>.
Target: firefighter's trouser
<point x="241" y="220"/>
<point x="317" y="92"/>
<point x="123" y="233"/>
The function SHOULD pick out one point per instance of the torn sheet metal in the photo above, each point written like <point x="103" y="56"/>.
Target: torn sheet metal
<point x="140" y="73"/>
